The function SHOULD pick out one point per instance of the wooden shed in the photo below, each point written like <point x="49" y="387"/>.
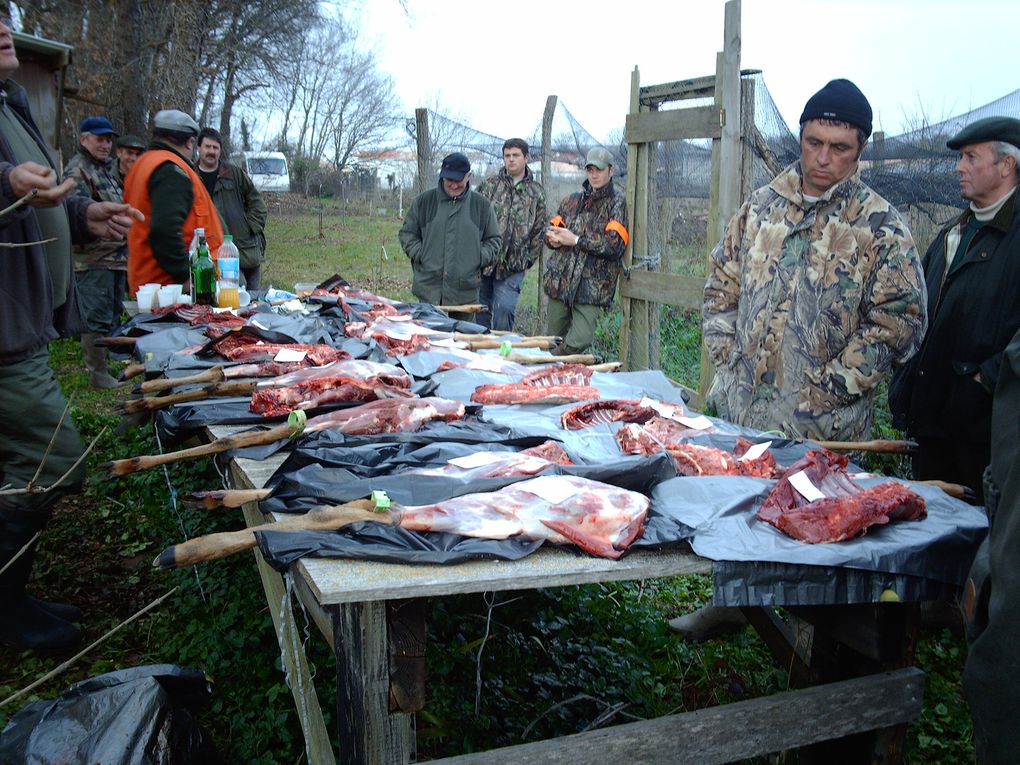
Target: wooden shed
<point x="42" y="73"/>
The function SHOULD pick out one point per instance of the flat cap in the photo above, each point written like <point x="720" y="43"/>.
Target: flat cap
<point x="599" y="157"/>
<point x="1006" y="129"/>
<point x="176" y="120"/>
<point x="130" y="141"/>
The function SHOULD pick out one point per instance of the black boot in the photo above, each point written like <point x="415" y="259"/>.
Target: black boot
<point x="26" y="622"/>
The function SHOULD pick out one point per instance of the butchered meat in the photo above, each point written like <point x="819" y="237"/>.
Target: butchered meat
<point x="519" y="393"/>
<point x="389" y="415"/>
<point x="609" y="410"/>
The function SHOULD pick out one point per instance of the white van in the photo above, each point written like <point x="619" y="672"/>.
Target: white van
<point x="268" y="169"/>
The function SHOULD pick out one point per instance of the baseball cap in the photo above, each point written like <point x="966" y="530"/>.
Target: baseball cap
<point x="97" y="126"/>
<point x="599" y="157"/>
<point x="455" y="166"/>
<point x="176" y="120"/>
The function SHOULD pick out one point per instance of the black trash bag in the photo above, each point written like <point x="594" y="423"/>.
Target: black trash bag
<point x="135" y="715"/>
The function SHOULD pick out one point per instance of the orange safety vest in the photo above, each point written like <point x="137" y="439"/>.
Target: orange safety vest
<point x="142" y="265"/>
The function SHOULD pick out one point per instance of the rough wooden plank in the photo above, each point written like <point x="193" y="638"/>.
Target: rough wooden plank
<point x="631" y="198"/>
<point x="543" y="258"/>
<point x="696" y="87"/>
<point x="349" y="581"/>
<point x="368" y="733"/>
<point x="874" y="630"/>
<point x="673" y="125"/>
<point x="657" y="287"/>
<point x="733" y="731"/>
<point x="639" y="240"/>
<point x="789" y="647"/>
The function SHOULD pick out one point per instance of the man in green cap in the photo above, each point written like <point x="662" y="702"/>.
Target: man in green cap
<point x="943" y="396"/>
<point x="129" y="148"/>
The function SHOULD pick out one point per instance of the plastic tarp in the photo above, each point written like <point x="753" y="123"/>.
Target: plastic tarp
<point x="137" y="715"/>
<point x="376" y="541"/>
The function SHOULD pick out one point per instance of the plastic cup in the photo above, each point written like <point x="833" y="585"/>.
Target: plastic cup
<point x="147" y="298"/>
<point x="169" y="294"/>
<point x="243" y="298"/>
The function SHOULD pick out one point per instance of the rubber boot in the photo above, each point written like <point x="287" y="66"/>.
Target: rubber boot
<point x="708" y="622"/>
<point x="562" y="349"/>
<point x="26" y="623"/>
<point x="95" y="360"/>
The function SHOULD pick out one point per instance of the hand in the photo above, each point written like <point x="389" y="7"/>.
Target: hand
<point x="110" y="220"/>
<point x="30" y="175"/>
<point x="557" y="236"/>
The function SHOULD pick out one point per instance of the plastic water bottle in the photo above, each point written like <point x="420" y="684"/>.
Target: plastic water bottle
<point x="203" y="275"/>
<point x="228" y="261"/>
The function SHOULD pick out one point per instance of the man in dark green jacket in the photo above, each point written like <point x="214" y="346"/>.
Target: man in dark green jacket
<point x="241" y="207"/>
<point x="992" y="596"/>
<point x="450" y="234"/>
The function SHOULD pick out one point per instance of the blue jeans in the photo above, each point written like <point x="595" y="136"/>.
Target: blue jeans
<point x="499" y="296"/>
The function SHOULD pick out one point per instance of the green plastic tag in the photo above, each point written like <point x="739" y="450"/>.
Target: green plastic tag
<point x="381" y="500"/>
<point x="505" y="348"/>
<point x="297" y="420"/>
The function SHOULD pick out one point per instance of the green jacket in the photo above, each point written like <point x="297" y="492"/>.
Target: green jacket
<point x="98" y="181"/>
<point x="520" y="210"/>
<point x="242" y="211"/>
<point x="449" y="241"/>
<point x="586" y="274"/>
<point x="809" y="306"/>
<point x="993" y="589"/>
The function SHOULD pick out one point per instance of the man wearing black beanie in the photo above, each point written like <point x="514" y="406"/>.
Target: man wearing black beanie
<point x="814" y="294"/>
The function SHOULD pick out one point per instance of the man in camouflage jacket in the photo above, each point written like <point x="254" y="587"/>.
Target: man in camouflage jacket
<point x="100" y="266"/>
<point x="816" y="291"/>
<point x="519" y="202"/>
<point x="589" y="235"/>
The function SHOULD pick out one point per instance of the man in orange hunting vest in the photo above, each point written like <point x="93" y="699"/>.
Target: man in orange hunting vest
<point x="163" y="185"/>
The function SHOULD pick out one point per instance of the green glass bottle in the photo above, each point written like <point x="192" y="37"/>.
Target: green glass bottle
<point x="203" y="275"/>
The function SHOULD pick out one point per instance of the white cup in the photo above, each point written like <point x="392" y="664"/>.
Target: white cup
<point x="243" y="298"/>
<point x="169" y="294"/>
<point x="147" y="298"/>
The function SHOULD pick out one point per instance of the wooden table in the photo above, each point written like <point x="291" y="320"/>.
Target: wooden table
<point x="372" y="616"/>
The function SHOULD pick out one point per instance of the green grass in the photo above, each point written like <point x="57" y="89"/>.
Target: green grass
<point x="555" y="660"/>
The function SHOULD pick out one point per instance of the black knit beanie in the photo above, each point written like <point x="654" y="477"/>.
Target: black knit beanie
<point x="839" y="100"/>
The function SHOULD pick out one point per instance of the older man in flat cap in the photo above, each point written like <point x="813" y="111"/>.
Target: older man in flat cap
<point x="165" y="187"/>
<point x="943" y="398"/>
<point x="814" y="294"/>
<point x="450" y="233"/>
<point x="129" y="148"/>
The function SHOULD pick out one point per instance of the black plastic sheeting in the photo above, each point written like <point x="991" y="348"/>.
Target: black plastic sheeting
<point x="137" y="715"/>
<point x="375" y="541"/>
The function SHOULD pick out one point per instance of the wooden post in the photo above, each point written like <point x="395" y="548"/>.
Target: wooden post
<point x="631" y="196"/>
<point x="423" y="149"/>
<point x="547" y="121"/>
<point x="747" y="153"/>
<point x="725" y="186"/>
<point x="878" y="150"/>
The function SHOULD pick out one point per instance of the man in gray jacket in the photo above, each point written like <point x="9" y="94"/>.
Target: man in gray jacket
<point x="450" y="234"/>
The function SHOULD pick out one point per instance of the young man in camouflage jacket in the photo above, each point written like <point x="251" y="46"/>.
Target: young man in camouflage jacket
<point x="519" y="202"/>
<point x="814" y="294"/>
<point x="100" y="267"/>
<point x="589" y="235"/>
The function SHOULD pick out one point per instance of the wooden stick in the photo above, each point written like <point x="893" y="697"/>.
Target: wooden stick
<point x="132" y="370"/>
<point x="216" y="390"/>
<point x="470" y="308"/>
<point x="526" y="358"/>
<point x="609" y="366"/>
<point x="210" y="500"/>
<point x="249" y="438"/>
<point x="887" y="446"/>
<point x="224" y="543"/>
<point x="116" y="342"/>
<point x="213" y="374"/>
<point x="469" y="337"/>
<point x="493" y="343"/>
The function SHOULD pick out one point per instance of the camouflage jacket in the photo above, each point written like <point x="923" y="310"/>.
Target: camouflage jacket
<point x="586" y="274"/>
<point x="99" y="181"/>
<point x="520" y="210"/>
<point x="808" y="308"/>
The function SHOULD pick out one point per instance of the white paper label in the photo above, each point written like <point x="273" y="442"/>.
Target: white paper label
<point x="398" y="332"/>
<point x="257" y="323"/>
<point x="477" y="459"/>
<point x="552" y="488"/>
<point x="446" y="342"/>
<point x="399" y="317"/>
<point x="804" y="487"/>
<point x="666" y="410"/>
<point x="756" y="451"/>
<point x="701" y="422"/>
<point x="290" y="354"/>
<point x="294" y="305"/>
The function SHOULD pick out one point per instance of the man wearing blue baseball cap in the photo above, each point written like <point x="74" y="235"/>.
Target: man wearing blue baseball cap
<point x="100" y="267"/>
<point x="450" y="234"/>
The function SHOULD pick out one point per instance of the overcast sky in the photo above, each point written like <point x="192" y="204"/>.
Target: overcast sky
<point x="495" y="63"/>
